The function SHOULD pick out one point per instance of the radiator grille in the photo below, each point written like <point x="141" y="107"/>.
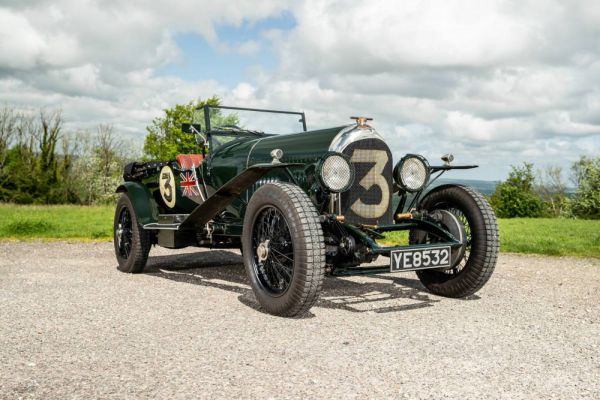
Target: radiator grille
<point x="369" y="200"/>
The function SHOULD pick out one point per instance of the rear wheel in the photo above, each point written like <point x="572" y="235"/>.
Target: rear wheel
<point x="132" y="242"/>
<point x="283" y="249"/>
<point x="465" y="213"/>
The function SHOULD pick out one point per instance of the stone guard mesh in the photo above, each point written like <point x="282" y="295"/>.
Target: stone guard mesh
<point x="369" y="199"/>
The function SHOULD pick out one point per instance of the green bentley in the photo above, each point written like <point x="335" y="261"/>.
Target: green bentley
<point x="303" y="205"/>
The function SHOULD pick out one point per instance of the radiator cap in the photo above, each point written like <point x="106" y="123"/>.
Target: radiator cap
<point x="361" y="122"/>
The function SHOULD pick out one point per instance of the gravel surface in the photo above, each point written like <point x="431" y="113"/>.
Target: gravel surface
<point x="72" y="326"/>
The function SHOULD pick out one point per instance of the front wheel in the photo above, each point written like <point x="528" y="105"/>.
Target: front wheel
<point x="472" y="217"/>
<point x="283" y="249"/>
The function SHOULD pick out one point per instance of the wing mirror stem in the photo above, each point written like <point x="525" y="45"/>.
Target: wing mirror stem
<point x="195" y="129"/>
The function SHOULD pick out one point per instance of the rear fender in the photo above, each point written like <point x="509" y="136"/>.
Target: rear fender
<point x="144" y="205"/>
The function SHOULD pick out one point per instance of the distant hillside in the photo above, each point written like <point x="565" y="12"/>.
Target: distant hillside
<point x="485" y="187"/>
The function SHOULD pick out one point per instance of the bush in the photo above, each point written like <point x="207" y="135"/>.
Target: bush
<point x="586" y="202"/>
<point x="551" y="189"/>
<point x="516" y="197"/>
<point x="39" y="164"/>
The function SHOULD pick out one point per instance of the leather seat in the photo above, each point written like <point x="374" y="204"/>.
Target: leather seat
<point x="189" y="161"/>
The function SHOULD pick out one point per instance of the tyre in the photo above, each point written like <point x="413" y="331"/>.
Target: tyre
<point x="464" y="212"/>
<point x="132" y="242"/>
<point x="283" y="249"/>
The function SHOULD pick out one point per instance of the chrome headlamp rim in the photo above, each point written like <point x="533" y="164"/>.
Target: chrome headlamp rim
<point x="397" y="173"/>
<point x="322" y="179"/>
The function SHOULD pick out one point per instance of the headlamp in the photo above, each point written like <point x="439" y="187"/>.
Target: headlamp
<point x="412" y="172"/>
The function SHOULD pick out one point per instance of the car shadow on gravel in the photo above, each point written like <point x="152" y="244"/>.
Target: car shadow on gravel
<point x="225" y="270"/>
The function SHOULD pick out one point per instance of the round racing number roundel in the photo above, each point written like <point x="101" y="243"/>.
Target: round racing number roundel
<point x="166" y="182"/>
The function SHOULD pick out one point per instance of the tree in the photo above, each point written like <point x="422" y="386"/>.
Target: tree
<point x="165" y="139"/>
<point x="47" y="136"/>
<point x="32" y="170"/>
<point x="552" y="190"/>
<point x="586" y="175"/>
<point x="108" y="157"/>
<point x="19" y="178"/>
<point x="8" y="121"/>
<point x="98" y="167"/>
<point x="516" y="197"/>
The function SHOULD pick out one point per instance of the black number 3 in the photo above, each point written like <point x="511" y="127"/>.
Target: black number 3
<point x="168" y="188"/>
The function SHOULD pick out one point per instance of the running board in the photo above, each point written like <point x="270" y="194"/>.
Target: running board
<point x="156" y="225"/>
<point x="167" y="221"/>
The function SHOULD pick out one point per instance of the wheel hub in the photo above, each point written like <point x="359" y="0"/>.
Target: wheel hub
<point x="119" y="234"/>
<point x="262" y="251"/>
<point x="457" y="229"/>
<point x="272" y="251"/>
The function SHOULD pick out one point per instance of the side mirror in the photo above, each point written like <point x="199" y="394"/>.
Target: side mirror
<point x="191" y="128"/>
<point x="195" y="130"/>
<point x="447" y="159"/>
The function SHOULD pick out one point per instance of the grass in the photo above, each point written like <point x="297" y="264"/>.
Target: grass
<point x="548" y="236"/>
<point x="56" y="222"/>
<point x="555" y="237"/>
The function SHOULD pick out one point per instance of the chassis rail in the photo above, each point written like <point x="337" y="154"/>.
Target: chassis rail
<point x="363" y="233"/>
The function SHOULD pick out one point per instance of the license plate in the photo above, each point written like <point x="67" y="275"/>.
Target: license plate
<point x="410" y="260"/>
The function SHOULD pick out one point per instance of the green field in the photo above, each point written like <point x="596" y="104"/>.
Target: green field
<point x="56" y="222"/>
<point x="557" y="237"/>
<point x="549" y="236"/>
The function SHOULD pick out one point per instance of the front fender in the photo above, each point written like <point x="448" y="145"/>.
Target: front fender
<point x="144" y="205"/>
<point x="229" y="192"/>
<point x="437" y="189"/>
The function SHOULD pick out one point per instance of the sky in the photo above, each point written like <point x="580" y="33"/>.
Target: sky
<point x="494" y="82"/>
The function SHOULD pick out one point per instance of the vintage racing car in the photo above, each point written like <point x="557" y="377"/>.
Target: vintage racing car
<point x="305" y="204"/>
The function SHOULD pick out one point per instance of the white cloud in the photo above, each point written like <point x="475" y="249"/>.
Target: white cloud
<point x="20" y="44"/>
<point x="97" y="60"/>
<point x="495" y="82"/>
<point x="378" y="36"/>
<point x="243" y="92"/>
<point x="460" y="125"/>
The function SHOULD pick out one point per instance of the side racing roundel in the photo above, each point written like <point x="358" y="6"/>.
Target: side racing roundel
<point x="166" y="182"/>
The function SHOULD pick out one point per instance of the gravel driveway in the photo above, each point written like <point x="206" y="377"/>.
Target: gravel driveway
<point x="72" y="326"/>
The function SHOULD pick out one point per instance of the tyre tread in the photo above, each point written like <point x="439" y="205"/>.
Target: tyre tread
<point x="481" y="265"/>
<point x="311" y="255"/>
<point x="142" y="241"/>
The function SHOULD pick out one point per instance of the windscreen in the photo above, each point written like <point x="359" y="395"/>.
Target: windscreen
<point x="249" y="121"/>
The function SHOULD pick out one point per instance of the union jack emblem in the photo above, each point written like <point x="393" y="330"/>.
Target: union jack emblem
<point x="189" y="184"/>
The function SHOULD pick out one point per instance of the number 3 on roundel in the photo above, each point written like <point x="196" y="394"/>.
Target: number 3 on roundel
<point x="166" y="183"/>
<point x="372" y="178"/>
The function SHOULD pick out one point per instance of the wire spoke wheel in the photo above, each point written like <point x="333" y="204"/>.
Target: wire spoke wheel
<point x="284" y="249"/>
<point x="272" y="250"/>
<point x="468" y="216"/>
<point x="464" y="258"/>
<point x="459" y="226"/>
